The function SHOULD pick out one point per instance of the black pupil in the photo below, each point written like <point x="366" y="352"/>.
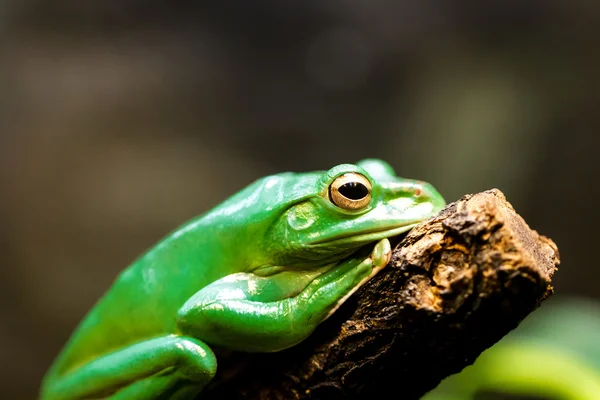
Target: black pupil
<point x="353" y="190"/>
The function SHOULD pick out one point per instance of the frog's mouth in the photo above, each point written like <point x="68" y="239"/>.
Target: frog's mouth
<point x="364" y="237"/>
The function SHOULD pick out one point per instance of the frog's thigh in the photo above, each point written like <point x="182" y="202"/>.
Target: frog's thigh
<point x="147" y="370"/>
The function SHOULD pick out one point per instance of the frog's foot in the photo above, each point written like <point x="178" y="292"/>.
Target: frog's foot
<point x="381" y="256"/>
<point x="166" y="367"/>
<point x="247" y="312"/>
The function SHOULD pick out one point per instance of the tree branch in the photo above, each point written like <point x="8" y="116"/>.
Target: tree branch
<point x="456" y="284"/>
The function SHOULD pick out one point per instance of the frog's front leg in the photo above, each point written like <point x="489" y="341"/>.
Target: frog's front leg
<point x="247" y="312"/>
<point x="165" y="367"/>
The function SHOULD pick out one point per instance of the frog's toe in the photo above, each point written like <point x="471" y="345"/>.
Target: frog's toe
<point x="382" y="253"/>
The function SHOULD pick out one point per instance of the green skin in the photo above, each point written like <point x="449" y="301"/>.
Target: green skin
<point x="258" y="273"/>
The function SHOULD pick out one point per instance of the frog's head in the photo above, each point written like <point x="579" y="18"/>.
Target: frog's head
<point x="329" y="215"/>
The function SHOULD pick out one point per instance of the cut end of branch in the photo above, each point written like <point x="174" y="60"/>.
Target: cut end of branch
<point x="476" y="248"/>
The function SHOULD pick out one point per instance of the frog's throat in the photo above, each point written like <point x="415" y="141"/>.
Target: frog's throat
<point x="364" y="237"/>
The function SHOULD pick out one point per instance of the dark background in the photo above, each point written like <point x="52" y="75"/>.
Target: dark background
<point x="122" y="119"/>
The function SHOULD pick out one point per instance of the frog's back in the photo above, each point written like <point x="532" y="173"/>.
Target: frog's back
<point x="141" y="304"/>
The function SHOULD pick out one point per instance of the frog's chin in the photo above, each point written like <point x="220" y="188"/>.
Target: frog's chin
<point x="365" y="236"/>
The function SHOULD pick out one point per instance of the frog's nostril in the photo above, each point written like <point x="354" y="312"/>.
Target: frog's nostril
<point x="417" y="192"/>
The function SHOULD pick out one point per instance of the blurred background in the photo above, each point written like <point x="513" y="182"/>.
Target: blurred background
<point x="122" y="119"/>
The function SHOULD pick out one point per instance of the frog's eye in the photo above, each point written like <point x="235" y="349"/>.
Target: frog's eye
<point x="350" y="191"/>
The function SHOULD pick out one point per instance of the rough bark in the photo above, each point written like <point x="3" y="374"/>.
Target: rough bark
<point x="456" y="284"/>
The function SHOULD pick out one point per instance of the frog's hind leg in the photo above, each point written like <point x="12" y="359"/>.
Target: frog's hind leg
<point x="153" y="369"/>
<point x="159" y="386"/>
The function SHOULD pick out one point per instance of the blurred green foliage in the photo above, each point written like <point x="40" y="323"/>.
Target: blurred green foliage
<point x="554" y="355"/>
